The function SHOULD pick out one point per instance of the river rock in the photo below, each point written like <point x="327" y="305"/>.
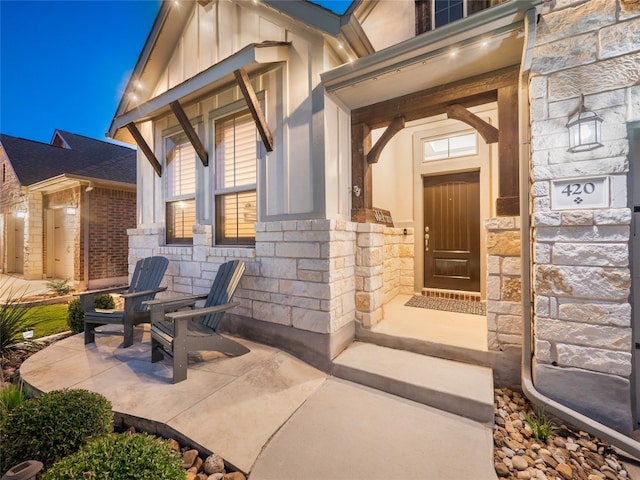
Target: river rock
<point x="214" y="464"/>
<point x="519" y="463"/>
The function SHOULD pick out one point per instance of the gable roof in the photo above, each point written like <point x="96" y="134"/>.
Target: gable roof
<point x="34" y="161"/>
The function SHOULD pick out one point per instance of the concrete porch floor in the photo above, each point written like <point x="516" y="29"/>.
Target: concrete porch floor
<point x="270" y="414"/>
<point x="436" y="326"/>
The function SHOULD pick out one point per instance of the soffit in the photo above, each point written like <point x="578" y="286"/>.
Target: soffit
<point x="487" y="41"/>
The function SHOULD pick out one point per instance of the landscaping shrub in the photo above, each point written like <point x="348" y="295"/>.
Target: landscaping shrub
<point x="75" y="314"/>
<point x="61" y="287"/>
<point x="104" y="300"/>
<point x="52" y="426"/>
<point x="126" y="456"/>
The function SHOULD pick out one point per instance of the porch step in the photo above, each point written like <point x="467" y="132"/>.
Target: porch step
<point x="458" y="388"/>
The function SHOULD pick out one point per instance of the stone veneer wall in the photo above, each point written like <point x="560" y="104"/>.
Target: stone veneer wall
<point x="582" y="320"/>
<point x="299" y="278"/>
<point x="503" y="299"/>
<point x="504" y="284"/>
<point x="384" y="269"/>
<point x="306" y="281"/>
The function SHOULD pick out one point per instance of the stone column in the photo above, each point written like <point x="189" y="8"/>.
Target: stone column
<point x="581" y="277"/>
<point x="369" y="274"/>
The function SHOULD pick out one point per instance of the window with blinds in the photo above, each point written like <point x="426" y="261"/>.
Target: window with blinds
<point x="180" y="161"/>
<point x="235" y="179"/>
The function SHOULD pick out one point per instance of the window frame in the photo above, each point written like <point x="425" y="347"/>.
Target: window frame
<point x="178" y="132"/>
<point x="220" y="114"/>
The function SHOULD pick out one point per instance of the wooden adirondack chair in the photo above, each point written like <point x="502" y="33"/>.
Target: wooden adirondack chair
<point x="145" y="283"/>
<point x="179" y="332"/>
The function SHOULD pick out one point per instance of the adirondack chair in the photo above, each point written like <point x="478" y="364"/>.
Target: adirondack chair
<point x="145" y="283"/>
<point x="176" y="333"/>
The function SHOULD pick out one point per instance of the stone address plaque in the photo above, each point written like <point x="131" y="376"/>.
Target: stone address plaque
<point x="569" y="194"/>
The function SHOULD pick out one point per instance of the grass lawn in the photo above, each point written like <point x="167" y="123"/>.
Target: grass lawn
<point x="47" y="319"/>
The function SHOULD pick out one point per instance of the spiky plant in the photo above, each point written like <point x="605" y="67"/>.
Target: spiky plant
<point x="13" y="317"/>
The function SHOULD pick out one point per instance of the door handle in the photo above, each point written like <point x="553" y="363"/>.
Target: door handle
<point x="426" y="239"/>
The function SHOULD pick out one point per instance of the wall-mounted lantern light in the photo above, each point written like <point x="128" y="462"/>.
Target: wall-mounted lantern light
<point x="584" y="130"/>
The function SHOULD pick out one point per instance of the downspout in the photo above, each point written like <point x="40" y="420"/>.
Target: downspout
<point x="554" y="408"/>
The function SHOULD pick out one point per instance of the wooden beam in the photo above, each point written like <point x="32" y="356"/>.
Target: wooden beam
<point x="434" y="101"/>
<point x="254" y="106"/>
<point x="508" y="152"/>
<point x="142" y="144"/>
<point x="485" y="129"/>
<point x="394" y="127"/>
<point x="191" y="134"/>
<point x="361" y="195"/>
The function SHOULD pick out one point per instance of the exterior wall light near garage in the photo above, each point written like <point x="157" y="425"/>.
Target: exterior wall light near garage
<point x="585" y="132"/>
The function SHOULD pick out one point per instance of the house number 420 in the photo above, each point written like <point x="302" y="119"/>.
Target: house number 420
<point x="590" y="192"/>
<point x="578" y="189"/>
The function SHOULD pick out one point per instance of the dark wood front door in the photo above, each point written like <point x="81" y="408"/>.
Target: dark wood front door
<point x="452" y="231"/>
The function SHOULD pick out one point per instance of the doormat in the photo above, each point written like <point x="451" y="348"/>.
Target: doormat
<point x="447" y="305"/>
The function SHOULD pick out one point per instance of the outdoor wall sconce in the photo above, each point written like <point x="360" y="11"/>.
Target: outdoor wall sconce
<point x="584" y="130"/>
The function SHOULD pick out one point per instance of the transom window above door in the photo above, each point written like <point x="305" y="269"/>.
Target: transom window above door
<point x="459" y="145"/>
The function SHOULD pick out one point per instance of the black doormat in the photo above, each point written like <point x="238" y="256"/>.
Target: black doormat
<point x="447" y="305"/>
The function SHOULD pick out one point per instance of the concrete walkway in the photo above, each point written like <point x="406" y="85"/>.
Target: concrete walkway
<point x="15" y="286"/>
<point x="271" y="415"/>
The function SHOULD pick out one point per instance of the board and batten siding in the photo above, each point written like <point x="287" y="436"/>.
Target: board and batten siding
<point x="294" y="180"/>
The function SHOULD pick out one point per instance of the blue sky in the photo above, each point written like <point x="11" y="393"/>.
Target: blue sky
<point x="64" y="64"/>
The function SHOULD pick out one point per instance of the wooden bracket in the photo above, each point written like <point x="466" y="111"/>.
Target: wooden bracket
<point x="394" y="127"/>
<point x="254" y="107"/>
<point x="191" y="134"/>
<point x="137" y="136"/>
<point x="486" y="130"/>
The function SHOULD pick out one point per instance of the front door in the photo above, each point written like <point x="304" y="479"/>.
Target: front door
<point x="452" y="231"/>
<point x="63" y="244"/>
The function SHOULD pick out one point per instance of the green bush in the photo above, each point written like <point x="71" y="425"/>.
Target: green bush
<point x="75" y="314"/>
<point x="61" y="287"/>
<point x="137" y="456"/>
<point x="104" y="300"/>
<point x="52" y="426"/>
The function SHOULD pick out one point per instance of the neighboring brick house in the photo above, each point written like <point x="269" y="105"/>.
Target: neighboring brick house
<point x="414" y="107"/>
<point x="65" y="208"/>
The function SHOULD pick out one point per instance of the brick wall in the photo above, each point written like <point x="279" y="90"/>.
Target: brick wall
<point x="111" y="214"/>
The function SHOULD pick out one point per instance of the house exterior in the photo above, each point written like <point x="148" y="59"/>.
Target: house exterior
<point x="65" y="208"/>
<point x="402" y="149"/>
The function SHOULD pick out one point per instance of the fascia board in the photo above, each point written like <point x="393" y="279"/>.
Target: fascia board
<point x="251" y="58"/>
